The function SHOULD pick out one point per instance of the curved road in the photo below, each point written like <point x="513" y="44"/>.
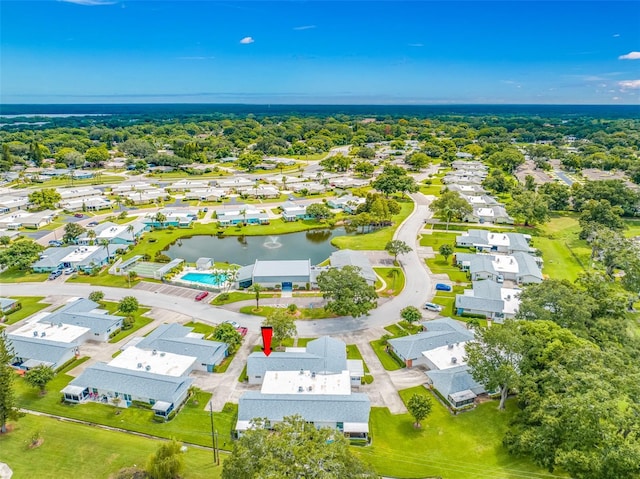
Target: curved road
<point x="417" y="290"/>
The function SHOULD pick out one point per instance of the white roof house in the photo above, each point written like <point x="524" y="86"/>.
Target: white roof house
<point x="519" y="267"/>
<point x="489" y="298"/>
<point x="69" y="193"/>
<point x="484" y="240"/>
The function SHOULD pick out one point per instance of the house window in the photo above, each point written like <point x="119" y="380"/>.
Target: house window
<point x="340" y="426"/>
<point x="152" y="401"/>
<point x="95" y="390"/>
<point x="127" y="397"/>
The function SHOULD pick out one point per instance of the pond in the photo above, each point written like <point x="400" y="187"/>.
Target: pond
<point x="243" y="250"/>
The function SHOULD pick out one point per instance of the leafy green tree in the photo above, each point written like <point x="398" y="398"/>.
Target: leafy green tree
<point x="167" y="462"/>
<point x="396" y="247"/>
<point x="557" y="194"/>
<point x="394" y="179"/>
<point x="531" y="207"/>
<point x="283" y="324"/>
<point x="96" y="296"/>
<point x="616" y="192"/>
<point x="364" y="168"/>
<point x="411" y="314"/>
<point x="128" y="305"/>
<point x="45" y="198"/>
<point x="8" y="408"/>
<point x="494" y="357"/>
<point x="498" y="182"/>
<point x="319" y="211"/>
<point x="20" y="254"/>
<point x="293" y="448"/>
<point x="249" y="161"/>
<point x="596" y="214"/>
<point x="348" y="293"/>
<point x="446" y="250"/>
<point x="226" y="333"/>
<point x="417" y="160"/>
<point x="507" y="160"/>
<point x="96" y="155"/>
<point x="450" y="206"/>
<point x="419" y="407"/>
<point x="5" y="240"/>
<point x="72" y="231"/>
<point x="256" y="289"/>
<point x="39" y="377"/>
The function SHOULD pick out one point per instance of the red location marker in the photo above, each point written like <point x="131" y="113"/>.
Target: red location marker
<point x="267" y="334"/>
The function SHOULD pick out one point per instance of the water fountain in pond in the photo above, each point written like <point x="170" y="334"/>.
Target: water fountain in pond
<point x="272" y="243"/>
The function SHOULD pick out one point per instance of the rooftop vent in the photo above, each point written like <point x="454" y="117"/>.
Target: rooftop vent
<point x="35" y="334"/>
<point x="313" y="374"/>
<point x="147" y="367"/>
<point x="300" y="389"/>
<point x="450" y="346"/>
<point x="310" y="388"/>
<point x="59" y="325"/>
<point x="162" y="355"/>
<point x="43" y="334"/>
<point x="139" y="365"/>
<point x="154" y="352"/>
<point x="454" y="360"/>
<point x="301" y="371"/>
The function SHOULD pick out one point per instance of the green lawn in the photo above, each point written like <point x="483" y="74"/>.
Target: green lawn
<point x="304" y="313"/>
<point x="565" y="255"/>
<point x="376" y="240"/>
<point x="235" y="296"/>
<point x="191" y="424"/>
<point x="75" y="450"/>
<point x="437" y="239"/>
<point x="276" y="227"/>
<point x="388" y="362"/>
<point x="452" y="447"/>
<point x="30" y="305"/>
<point x="395" y="330"/>
<point x="104" y="279"/>
<point x="438" y="265"/>
<point x="14" y="275"/>
<point x="140" y="321"/>
<point x="395" y="281"/>
<point x="354" y="353"/>
<point x="101" y="180"/>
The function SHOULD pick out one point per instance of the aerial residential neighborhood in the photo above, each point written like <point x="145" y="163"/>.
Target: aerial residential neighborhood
<point x="139" y="301"/>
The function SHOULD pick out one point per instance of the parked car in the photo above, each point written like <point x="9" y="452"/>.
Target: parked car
<point x="235" y="324"/>
<point x="69" y="271"/>
<point x="443" y="287"/>
<point x="79" y="215"/>
<point x="202" y="295"/>
<point x="93" y="223"/>
<point x="55" y="243"/>
<point x="54" y="274"/>
<point x="500" y="278"/>
<point x="242" y="330"/>
<point x="433" y="307"/>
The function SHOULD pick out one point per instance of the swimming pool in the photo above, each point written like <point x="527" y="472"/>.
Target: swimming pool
<point x="213" y="279"/>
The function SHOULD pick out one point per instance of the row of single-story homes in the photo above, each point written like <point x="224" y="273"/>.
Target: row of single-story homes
<point x="440" y="348"/>
<point x="314" y="382"/>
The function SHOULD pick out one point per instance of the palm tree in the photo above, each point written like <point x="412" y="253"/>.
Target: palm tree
<point x="118" y="203"/>
<point x="105" y="244"/>
<point x="160" y="218"/>
<point x="130" y="230"/>
<point x="243" y="212"/>
<point x="132" y="276"/>
<point x="91" y="234"/>
<point x="256" y="289"/>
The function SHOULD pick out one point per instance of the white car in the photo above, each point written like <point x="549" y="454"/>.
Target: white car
<point x="433" y="307"/>
<point x="235" y="324"/>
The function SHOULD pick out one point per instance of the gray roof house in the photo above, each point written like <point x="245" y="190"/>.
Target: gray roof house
<point x="178" y="339"/>
<point x="484" y="240"/>
<point x="79" y="257"/>
<point x="102" y="382"/>
<point x="347" y="257"/>
<point x="456" y="385"/>
<point x="439" y="333"/>
<point x="347" y="413"/>
<point x="286" y="273"/>
<point x="522" y="268"/>
<point x="36" y="351"/>
<point x="489" y="299"/>
<point x="7" y="304"/>
<point x="114" y="233"/>
<point x="490" y="214"/>
<point x="86" y="314"/>
<point x="324" y="355"/>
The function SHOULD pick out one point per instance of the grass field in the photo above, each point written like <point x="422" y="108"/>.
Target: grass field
<point x="438" y="265"/>
<point x="376" y="240"/>
<point x="235" y="296"/>
<point x="14" y="275"/>
<point x="388" y="362"/>
<point x="140" y="321"/>
<point x="76" y="450"/>
<point x="437" y="239"/>
<point x="104" y="279"/>
<point x="565" y="255"/>
<point x="395" y="281"/>
<point x="452" y="447"/>
<point x="30" y="305"/>
<point x="304" y="313"/>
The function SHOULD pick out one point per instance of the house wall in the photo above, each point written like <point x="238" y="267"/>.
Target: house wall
<point x="275" y="280"/>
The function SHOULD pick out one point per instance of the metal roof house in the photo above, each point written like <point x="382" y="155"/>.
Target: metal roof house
<point x="293" y="212"/>
<point x="489" y="299"/>
<point x="103" y="382"/>
<point x="324" y="355"/>
<point x="439" y="333"/>
<point x="115" y="233"/>
<point x="86" y="313"/>
<point x="488" y="241"/>
<point x="272" y="273"/>
<point x="456" y="385"/>
<point x="348" y="257"/>
<point x="8" y="304"/>
<point x="82" y="258"/>
<point x="519" y="267"/>
<point x="178" y="339"/>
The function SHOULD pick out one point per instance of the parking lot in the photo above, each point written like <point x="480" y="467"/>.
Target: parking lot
<point x="167" y="289"/>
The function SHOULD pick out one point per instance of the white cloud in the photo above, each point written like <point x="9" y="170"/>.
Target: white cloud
<point x="629" y="84"/>
<point x="247" y="40"/>
<point x="416" y="45"/>
<point x="305" y="27"/>
<point x="630" y="56"/>
<point x="89" y="3"/>
<point x="616" y="35"/>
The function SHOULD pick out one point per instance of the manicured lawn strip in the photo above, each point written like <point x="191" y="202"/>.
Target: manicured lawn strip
<point x="376" y="240"/>
<point x="236" y="296"/>
<point x="354" y="353"/>
<point x="438" y="265"/>
<point x="395" y="284"/>
<point x="30" y="305"/>
<point x="437" y="239"/>
<point x="633" y="228"/>
<point x="104" y="279"/>
<point x="305" y="313"/>
<point x="276" y="227"/>
<point x="139" y="320"/>
<point x="243" y="375"/>
<point x="15" y="275"/>
<point x="395" y="330"/>
<point x="448" y="446"/>
<point x="100" y="180"/>
<point x="200" y="328"/>
<point x="76" y="450"/>
<point x="191" y="424"/>
<point x="302" y="342"/>
<point x="388" y="362"/>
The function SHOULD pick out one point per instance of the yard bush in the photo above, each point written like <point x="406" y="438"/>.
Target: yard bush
<point x="141" y="404"/>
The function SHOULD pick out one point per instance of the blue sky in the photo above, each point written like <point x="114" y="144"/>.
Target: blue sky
<point x="421" y="52"/>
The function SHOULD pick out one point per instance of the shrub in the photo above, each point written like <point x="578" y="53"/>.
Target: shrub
<point x="292" y="308"/>
<point x="223" y="297"/>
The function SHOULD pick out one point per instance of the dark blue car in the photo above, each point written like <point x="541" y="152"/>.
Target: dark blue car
<point x="443" y="287"/>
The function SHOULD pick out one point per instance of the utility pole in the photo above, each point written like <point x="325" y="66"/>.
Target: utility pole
<point x="213" y="434"/>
